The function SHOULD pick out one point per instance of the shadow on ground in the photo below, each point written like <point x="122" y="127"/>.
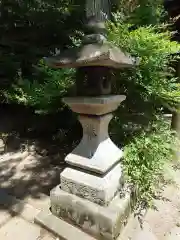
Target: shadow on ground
<point x="35" y="148"/>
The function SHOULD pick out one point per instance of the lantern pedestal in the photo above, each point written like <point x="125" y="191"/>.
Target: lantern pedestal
<point x="96" y="152"/>
<point x="90" y="192"/>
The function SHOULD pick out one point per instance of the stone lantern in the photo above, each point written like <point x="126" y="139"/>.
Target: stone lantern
<point x="88" y="197"/>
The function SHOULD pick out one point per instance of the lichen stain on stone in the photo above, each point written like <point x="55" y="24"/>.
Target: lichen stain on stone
<point x="86" y="218"/>
<point x="120" y="222"/>
<point x="79" y="219"/>
<point x="105" y="230"/>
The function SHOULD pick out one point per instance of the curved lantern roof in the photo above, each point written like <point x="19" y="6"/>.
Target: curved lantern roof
<point x="92" y="55"/>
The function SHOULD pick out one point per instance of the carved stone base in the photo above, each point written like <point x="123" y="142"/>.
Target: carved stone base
<point x="95" y="188"/>
<point x="59" y="227"/>
<point x="98" y="221"/>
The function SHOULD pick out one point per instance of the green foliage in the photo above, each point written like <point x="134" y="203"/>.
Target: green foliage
<point x="33" y="29"/>
<point x="154" y="75"/>
<point x="150" y="88"/>
<point x="145" y="157"/>
<point x="43" y="96"/>
<point x="141" y="12"/>
<point x="147" y="12"/>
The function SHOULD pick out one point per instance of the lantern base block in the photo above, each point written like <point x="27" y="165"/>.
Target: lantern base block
<point x="72" y="217"/>
<point x="95" y="188"/>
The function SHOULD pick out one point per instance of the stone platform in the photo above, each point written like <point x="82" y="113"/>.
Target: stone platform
<point x="97" y="221"/>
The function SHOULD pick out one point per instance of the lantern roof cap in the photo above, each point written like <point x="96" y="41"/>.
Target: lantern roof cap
<point x="92" y="55"/>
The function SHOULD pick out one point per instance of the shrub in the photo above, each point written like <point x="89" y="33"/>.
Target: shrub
<point x="150" y="88"/>
<point x="142" y="12"/>
<point x="153" y="76"/>
<point x="145" y="157"/>
<point x="44" y="93"/>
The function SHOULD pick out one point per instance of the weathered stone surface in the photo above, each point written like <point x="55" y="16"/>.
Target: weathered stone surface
<point x="100" y="190"/>
<point x="94" y="81"/>
<point x="94" y="38"/>
<point x="91" y="55"/>
<point x="96" y="152"/>
<point x="131" y="229"/>
<point x="98" y="10"/>
<point x="17" y="220"/>
<point x="59" y="227"/>
<point x="17" y="206"/>
<point x="105" y="222"/>
<point x="94" y="105"/>
<point x="103" y="157"/>
<point x="2" y="146"/>
<point x="18" y="228"/>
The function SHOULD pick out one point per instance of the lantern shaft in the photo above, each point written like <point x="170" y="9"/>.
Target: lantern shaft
<point x="99" y="9"/>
